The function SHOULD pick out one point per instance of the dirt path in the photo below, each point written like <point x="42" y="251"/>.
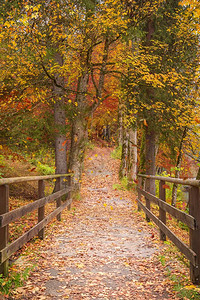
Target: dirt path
<point x="101" y="249"/>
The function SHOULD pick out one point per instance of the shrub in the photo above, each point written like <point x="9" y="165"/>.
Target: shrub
<point x="117" y="152"/>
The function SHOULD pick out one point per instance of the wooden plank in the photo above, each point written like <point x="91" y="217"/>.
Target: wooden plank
<point x="16" y="245"/>
<point x="190" y="254"/>
<point x="4" y="207"/>
<point x="175" y="212"/>
<point x="174" y="180"/>
<point x="21" y="211"/>
<point x="194" y="209"/>
<point x="30" y="178"/>
<point x="162" y="212"/>
<point x="41" y="210"/>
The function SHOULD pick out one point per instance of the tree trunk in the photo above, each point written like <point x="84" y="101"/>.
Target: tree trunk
<point x="120" y="122"/>
<point x="150" y="135"/>
<point x="132" y="157"/>
<point x="60" y="138"/>
<point x="128" y="166"/>
<point x="60" y="123"/>
<point x="79" y="131"/>
<point x="79" y="134"/>
<point x="77" y="151"/>
<point x="124" y="158"/>
<point x="120" y="129"/>
<point x="142" y="154"/>
<point x="150" y="158"/>
<point x="178" y="168"/>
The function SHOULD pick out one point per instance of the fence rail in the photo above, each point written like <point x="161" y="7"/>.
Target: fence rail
<point x="6" y="216"/>
<point x="192" y="220"/>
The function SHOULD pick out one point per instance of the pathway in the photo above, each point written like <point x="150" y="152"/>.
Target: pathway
<point x="101" y="249"/>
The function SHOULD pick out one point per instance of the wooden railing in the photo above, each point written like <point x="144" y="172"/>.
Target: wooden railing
<point x="6" y="216"/>
<point x="192" y="220"/>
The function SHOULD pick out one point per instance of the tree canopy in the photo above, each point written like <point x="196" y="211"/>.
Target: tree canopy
<point x="66" y="58"/>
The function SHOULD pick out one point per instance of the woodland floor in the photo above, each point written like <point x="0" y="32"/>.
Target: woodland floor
<point x="102" y="248"/>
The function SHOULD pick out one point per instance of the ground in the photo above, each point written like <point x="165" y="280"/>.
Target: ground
<point x="102" y="248"/>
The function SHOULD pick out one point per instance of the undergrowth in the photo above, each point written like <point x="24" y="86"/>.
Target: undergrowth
<point x="182" y="286"/>
<point x="123" y="185"/>
<point x="13" y="281"/>
<point x="117" y="152"/>
<point x="168" y="189"/>
<point x="43" y="162"/>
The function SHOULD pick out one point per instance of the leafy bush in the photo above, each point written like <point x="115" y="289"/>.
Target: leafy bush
<point x="44" y="169"/>
<point x="117" y="152"/>
<point x="43" y="160"/>
<point x="2" y="165"/>
<point x="123" y="185"/>
<point x="169" y="189"/>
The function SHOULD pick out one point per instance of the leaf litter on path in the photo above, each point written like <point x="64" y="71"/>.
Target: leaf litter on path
<point x="101" y="249"/>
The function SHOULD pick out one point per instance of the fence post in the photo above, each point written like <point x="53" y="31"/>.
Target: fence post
<point x="69" y="193"/>
<point x="194" y="210"/>
<point x="58" y="200"/>
<point x="148" y="203"/>
<point x="41" y="210"/>
<point x="162" y="213"/>
<point x="139" y="194"/>
<point x="4" y="207"/>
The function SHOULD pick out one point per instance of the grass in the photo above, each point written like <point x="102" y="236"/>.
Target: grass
<point x="117" y="152"/>
<point x="184" y="292"/>
<point x="180" y="283"/>
<point x="14" y="280"/>
<point x="124" y="185"/>
<point x="175" y="264"/>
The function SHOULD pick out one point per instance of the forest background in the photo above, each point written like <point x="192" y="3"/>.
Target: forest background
<point x="117" y="73"/>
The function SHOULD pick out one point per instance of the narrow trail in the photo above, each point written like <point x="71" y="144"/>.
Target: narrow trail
<point x="101" y="249"/>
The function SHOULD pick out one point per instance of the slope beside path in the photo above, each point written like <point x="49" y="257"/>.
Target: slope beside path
<point x="101" y="249"/>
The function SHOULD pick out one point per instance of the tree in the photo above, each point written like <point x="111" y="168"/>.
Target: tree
<point x="57" y="49"/>
<point x="161" y="75"/>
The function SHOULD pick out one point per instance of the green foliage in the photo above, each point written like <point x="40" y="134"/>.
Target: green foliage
<point x="169" y="189"/>
<point x="162" y="260"/>
<point x="184" y="292"/>
<point x="13" y="281"/>
<point x="117" y="186"/>
<point x="27" y="131"/>
<point x="188" y="294"/>
<point x="90" y="145"/>
<point x="44" y="169"/>
<point x="76" y="195"/>
<point x="181" y="284"/>
<point x="167" y="242"/>
<point x="2" y="165"/>
<point x="43" y="160"/>
<point x="123" y="185"/>
<point x="117" y="152"/>
<point x="183" y="226"/>
<point x="73" y="211"/>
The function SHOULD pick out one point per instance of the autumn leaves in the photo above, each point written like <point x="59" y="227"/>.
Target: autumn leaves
<point x="66" y="58"/>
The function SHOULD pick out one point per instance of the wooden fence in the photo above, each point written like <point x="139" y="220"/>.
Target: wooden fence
<point x="6" y="216"/>
<point x="192" y="220"/>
